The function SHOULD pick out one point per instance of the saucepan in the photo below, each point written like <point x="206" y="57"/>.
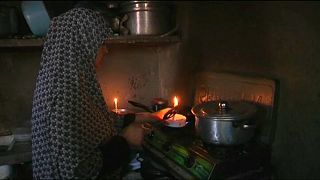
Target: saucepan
<point x="156" y="105"/>
<point x="225" y="122"/>
<point x="140" y="105"/>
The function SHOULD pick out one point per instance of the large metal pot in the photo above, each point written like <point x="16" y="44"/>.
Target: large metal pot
<point x="147" y="17"/>
<point x="225" y="123"/>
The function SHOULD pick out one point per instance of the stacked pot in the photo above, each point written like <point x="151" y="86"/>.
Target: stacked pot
<point x="147" y="17"/>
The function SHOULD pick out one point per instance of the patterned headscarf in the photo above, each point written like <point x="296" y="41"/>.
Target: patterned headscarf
<point x="69" y="115"/>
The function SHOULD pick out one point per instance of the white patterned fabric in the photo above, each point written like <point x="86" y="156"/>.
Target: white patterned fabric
<point x="69" y="115"/>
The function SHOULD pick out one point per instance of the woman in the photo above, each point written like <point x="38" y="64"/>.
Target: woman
<point x="72" y="132"/>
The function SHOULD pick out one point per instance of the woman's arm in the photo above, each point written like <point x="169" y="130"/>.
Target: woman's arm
<point x="115" y="153"/>
<point x="143" y="117"/>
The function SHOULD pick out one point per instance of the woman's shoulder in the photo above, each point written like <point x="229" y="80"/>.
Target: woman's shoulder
<point x="83" y="10"/>
<point x="77" y="12"/>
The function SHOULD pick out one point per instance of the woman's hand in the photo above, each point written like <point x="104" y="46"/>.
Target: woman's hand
<point x="149" y="117"/>
<point x="134" y="134"/>
<point x="159" y="114"/>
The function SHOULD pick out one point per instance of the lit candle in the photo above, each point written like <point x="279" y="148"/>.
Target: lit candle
<point x="175" y="104"/>
<point x="116" y="104"/>
<point x="178" y="120"/>
<point x="175" y="101"/>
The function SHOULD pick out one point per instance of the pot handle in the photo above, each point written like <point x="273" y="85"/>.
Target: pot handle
<point x="142" y="106"/>
<point x="248" y="126"/>
<point x="173" y="30"/>
<point x="243" y="125"/>
<point x="123" y="30"/>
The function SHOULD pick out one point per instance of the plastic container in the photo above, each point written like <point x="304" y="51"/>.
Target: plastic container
<point x="36" y="16"/>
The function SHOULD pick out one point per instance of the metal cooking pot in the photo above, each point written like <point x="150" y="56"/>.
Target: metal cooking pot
<point x="225" y="123"/>
<point x="147" y="17"/>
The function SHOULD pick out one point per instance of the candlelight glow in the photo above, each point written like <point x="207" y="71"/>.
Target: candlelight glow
<point x="178" y="120"/>
<point x="116" y="104"/>
<point x="175" y="101"/>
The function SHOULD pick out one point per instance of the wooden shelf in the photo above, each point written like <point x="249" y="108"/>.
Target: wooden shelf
<point x="141" y="40"/>
<point x="9" y="43"/>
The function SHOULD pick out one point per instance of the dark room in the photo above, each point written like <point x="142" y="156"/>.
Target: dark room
<point x="159" y="90"/>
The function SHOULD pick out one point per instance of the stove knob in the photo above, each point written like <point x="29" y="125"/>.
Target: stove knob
<point x="166" y="146"/>
<point x="190" y="160"/>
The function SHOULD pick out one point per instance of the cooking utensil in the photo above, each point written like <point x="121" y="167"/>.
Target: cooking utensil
<point x="225" y="123"/>
<point x="159" y="103"/>
<point x="36" y="16"/>
<point x="142" y="106"/>
<point x="147" y="17"/>
<point x="170" y="113"/>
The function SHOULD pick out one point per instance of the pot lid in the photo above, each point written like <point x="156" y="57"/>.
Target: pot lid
<point x="224" y="110"/>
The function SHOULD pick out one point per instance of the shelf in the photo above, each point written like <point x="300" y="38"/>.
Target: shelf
<point x="141" y="40"/>
<point x="8" y="43"/>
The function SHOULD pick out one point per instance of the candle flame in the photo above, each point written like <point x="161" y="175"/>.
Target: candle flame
<point x="175" y="101"/>
<point x="116" y="104"/>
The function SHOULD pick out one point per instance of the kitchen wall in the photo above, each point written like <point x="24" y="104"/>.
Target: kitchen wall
<point x="129" y="72"/>
<point x="139" y="73"/>
<point x="275" y="40"/>
<point x="18" y="70"/>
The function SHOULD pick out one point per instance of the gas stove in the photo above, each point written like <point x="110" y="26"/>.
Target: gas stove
<point x="178" y="153"/>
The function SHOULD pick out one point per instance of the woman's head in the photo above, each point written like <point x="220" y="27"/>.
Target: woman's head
<point x="77" y="33"/>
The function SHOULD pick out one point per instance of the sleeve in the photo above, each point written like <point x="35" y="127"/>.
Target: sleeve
<point x="115" y="154"/>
